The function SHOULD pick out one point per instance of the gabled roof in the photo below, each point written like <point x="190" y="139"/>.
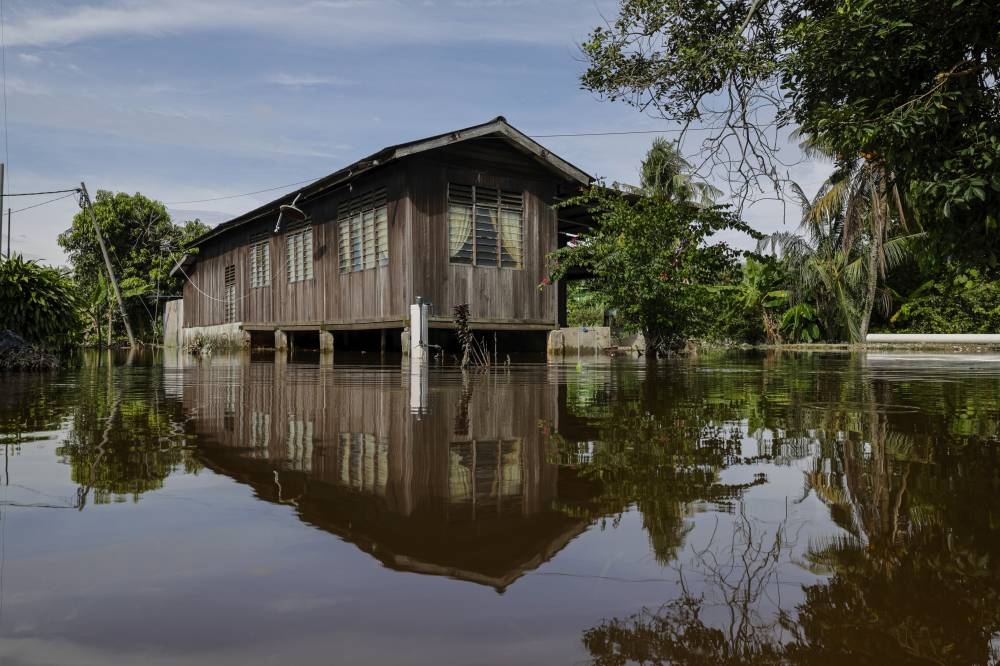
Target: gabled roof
<point x="498" y="128"/>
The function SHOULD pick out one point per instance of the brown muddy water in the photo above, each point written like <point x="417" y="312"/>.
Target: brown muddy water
<point x="724" y="509"/>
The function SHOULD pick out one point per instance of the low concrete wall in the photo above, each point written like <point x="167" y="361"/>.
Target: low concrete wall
<point x="586" y="341"/>
<point x="219" y="337"/>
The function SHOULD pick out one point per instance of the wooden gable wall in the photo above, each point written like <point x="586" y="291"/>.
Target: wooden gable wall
<point x="496" y="296"/>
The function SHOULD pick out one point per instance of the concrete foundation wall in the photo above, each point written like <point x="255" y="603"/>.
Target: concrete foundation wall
<point x="586" y="341"/>
<point x="223" y="336"/>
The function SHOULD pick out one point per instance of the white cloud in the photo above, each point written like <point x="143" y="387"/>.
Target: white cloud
<point x="29" y="58"/>
<point x="338" y="22"/>
<point x="305" y="80"/>
<point x="23" y="87"/>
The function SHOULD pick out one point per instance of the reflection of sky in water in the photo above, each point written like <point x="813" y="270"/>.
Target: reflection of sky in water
<point x="304" y="513"/>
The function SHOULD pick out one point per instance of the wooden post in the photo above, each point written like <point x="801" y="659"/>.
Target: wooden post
<point x="111" y="270"/>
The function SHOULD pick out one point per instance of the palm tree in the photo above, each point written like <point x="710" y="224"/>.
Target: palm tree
<point x="821" y="268"/>
<point x="666" y="173"/>
<point x="865" y="196"/>
<point x="853" y="232"/>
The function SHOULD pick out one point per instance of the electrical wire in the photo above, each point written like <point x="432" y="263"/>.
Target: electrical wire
<point x="245" y="194"/>
<point x="44" y="203"/>
<point x="35" y="194"/>
<point x="572" y="134"/>
<point x="209" y="297"/>
<point x="531" y="136"/>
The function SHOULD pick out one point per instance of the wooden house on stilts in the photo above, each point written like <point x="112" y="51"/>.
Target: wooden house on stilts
<point x="465" y="217"/>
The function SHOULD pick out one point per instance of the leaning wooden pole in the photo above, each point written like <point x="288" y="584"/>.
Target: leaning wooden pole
<point x="85" y="202"/>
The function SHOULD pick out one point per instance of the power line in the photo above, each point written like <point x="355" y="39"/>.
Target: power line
<point x="245" y="194"/>
<point x="65" y="196"/>
<point x="35" y="194"/>
<point x="570" y="134"/>
<point x="532" y="136"/>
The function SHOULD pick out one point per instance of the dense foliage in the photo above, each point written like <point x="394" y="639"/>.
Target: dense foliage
<point x="652" y="262"/>
<point x="144" y="245"/>
<point x="966" y="301"/>
<point x="38" y="302"/>
<point x="908" y="86"/>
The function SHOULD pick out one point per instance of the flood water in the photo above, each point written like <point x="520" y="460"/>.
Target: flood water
<point x="723" y="509"/>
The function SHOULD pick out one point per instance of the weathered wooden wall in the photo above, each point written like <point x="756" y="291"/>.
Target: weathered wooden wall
<point x="494" y="295"/>
<point x="419" y="265"/>
<point x="330" y="298"/>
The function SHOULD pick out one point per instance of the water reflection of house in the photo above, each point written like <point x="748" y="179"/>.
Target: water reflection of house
<point x="465" y="490"/>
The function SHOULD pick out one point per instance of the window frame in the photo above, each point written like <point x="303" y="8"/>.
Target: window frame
<point x="260" y="271"/>
<point x="502" y="202"/>
<point x="229" y="311"/>
<point x="363" y="232"/>
<point x="302" y="237"/>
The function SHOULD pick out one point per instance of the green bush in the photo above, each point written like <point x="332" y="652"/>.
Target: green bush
<point x="966" y="302"/>
<point x="38" y="302"/>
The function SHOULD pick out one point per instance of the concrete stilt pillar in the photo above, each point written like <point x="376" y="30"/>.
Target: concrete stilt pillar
<point x="326" y="342"/>
<point x="280" y="341"/>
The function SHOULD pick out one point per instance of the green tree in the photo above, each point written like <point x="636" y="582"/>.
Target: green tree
<point x="909" y="85"/>
<point x="822" y="290"/>
<point x="875" y="224"/>
<point x="652" y="261"/>
<point x="38" y="302"/>
<point x="667" y="174"/>
<point x="143" y="243"/>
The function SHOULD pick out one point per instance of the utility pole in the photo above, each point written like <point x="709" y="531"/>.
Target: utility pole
<point x="2" y="165"/>
<point x="85" y="203"/>
<point x="8" y="229"/>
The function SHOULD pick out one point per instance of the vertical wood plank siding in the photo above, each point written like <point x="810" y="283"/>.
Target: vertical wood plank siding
<point x="418" y="253"/>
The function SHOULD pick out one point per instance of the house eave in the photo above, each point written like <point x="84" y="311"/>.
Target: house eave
<point x="497" y="127"/>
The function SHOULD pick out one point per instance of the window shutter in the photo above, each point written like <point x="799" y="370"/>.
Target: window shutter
<point x="364" y="231"/>
<point x="230" y="300"/>
<point x="307" y="254"/>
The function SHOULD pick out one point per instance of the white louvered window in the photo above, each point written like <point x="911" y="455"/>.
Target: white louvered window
<point x="485" y="226"/>
<point x="299" y="250"/>
<point x="260" y="261"/>
<point x="363" y="232"/>
<point x="230" y="300"/>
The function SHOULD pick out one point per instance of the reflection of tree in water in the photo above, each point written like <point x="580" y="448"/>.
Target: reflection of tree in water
<point x="31" y="403"/>
<point x="124" y="437"/>
<point x="733" y="580"/>
<point x="915" y="574"/>
<point x="661" y="453"/>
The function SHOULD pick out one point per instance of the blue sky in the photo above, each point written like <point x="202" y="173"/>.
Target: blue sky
<point x="195" y="99"/>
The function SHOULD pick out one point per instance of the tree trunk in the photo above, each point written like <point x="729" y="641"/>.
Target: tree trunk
<point x="872" y="287"/>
